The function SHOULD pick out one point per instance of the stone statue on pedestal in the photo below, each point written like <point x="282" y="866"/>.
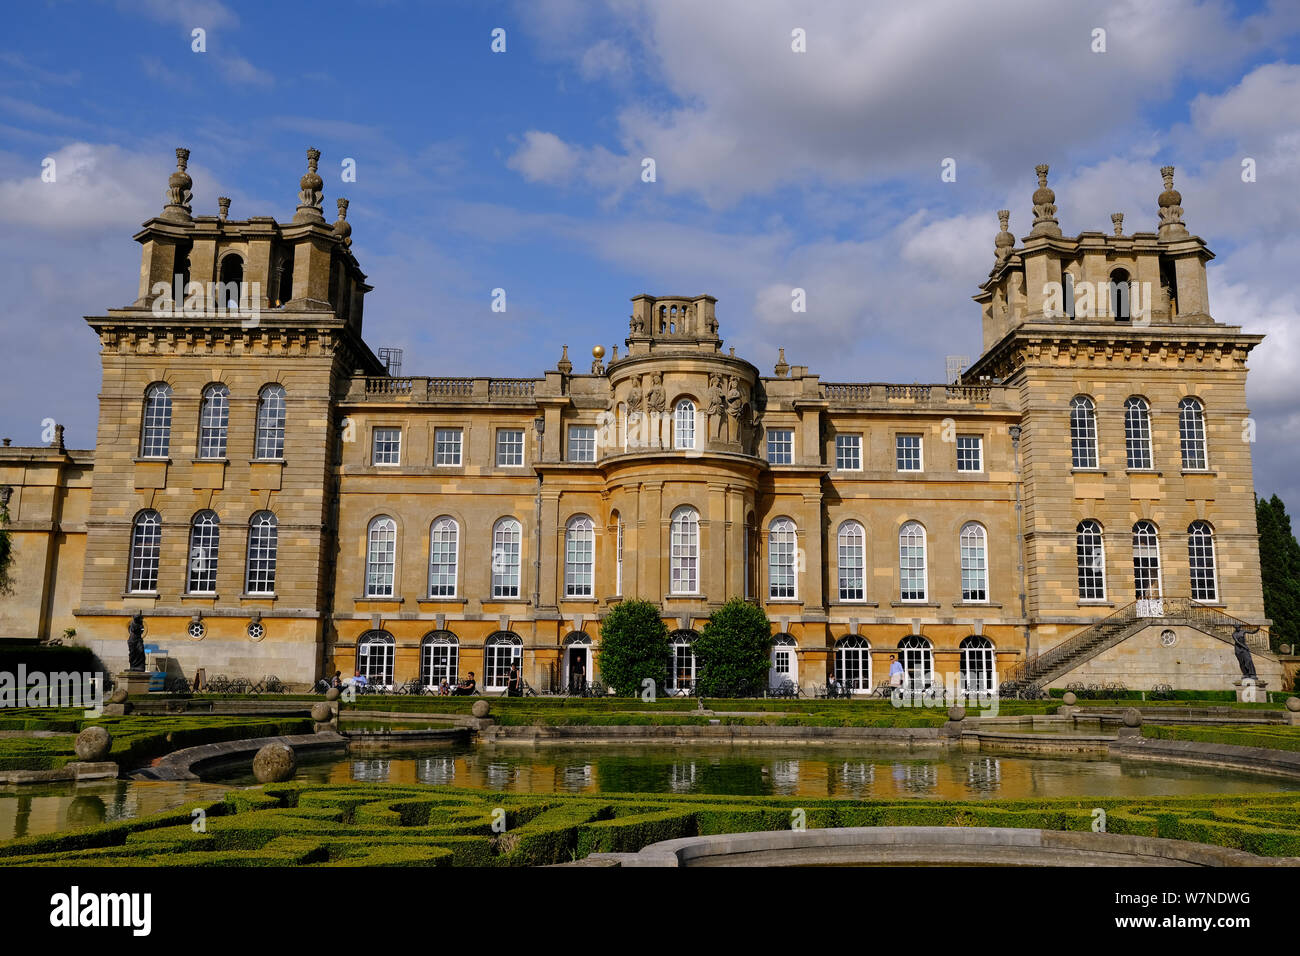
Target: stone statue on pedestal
<point x="135" y="643"/>
<point x="1244" y="660"/>
<point x="717" y="408"/>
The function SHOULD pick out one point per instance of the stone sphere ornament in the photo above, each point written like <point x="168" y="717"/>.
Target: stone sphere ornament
<point x="274" y="763"/>
<point x="118" y="696"/>
<point x="321" y="713"/>
<point x="1293" y="704"/>
<point x="598" y="352"/>
<point x="956" y="714"/>
<point x="332" y="694"/>
<point x="93" y="744"/>
<point x="480" y="709"/>
<point x="1132" y="717"/>
<point x="1069" y="698"/>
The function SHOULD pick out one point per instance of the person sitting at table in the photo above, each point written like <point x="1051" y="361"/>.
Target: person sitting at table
<point x="444" y="689"/>
<point x="466" y="687"/>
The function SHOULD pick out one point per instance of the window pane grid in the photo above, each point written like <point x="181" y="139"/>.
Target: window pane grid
<point x="911" y="562"/>
<point x="446" y="446"/>
<point x="375" y="660"/>
<point x="510" y="448"/>
<point x="582" y="443"/>
<point x="853" y="663"/>
<point x="974" y="564"/>
<point x="780" y="446"/>
<point x="579" y="558"/>
<point x="263" y="535"/>
<point x="146" y="547"/>
<point x="506" y="544"/>
<point x="204" y="541"/>
<point x="1137" y="433"/>
<point x="684" y="425"/>
<point x="978" y="669"/>
<point x="442" y="558"/>
<point x="214" y="420"/>
<point x="970" y="453"/>
<point x="1191" y="434"/>
<point x="270" y="424"/>
<point x="908" y="452"/>
<point x="1200" y="560"/>
<point x="387" y="446"/>
<point x="684" y="551"/>
<point x="852" y="562"/>
<point x="381" y="558"/>
<point x="1146" y="561"/>
<point x="439" y="661"/>
<point x="498" y="658"/>
<point x="848" y="452"/>
<point x="1083" y="433"/>
<point x="1091" y="558"/>
<point x="781" y="549"/>
<point x="155" y="441"/>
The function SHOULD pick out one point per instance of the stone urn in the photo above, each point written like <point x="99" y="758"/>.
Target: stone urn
<point x="274" y="763"/>
<point x="93" y="744"/>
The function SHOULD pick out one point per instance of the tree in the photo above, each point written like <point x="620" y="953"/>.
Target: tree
<point x="733" y="651"/>
<point x="1279" y="567"/>
<point x="633" y="648"/>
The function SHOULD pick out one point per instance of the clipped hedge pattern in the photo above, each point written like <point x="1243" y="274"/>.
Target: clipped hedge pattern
<point x="299" y="824"/>
<point x="1273" y="736"/>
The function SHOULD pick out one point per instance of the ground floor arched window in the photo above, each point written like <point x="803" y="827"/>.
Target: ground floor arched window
<point x="502" y="649"/>
<point x="439" y="659"/>
<point x="853" y="662"/>
<point x="917" y="655"/>
<point x="578" y="662"/>
<point x="681" y="661"/>
<point x="978" y="665"/>
<point x="375" y="652"/>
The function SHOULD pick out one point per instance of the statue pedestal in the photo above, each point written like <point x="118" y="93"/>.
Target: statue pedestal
<point x="133" y="682"/>
<point x="1251" y="691"/>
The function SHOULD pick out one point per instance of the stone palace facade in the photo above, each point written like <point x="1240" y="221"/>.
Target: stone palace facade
<point x="1077" y="506"/>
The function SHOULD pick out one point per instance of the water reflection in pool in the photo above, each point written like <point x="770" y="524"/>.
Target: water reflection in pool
<point x="46" y="808"/>
<point x="782" y="771"/>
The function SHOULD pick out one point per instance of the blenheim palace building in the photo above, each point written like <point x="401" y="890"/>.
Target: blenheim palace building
<point x="1076" y="506"/>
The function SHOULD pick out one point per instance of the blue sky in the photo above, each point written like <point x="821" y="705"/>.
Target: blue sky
<point x="521" y="170"/>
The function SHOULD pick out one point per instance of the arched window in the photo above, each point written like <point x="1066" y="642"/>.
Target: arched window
<point x="1090" y="555"/>
<point x="917" y="655"/>
<point x="911" y="562"/>
<point x="444" y="543"/>
<point x="853" y="662"/>
<point x="214" y="419"/>
<point x="146" y="546"/>
<point x="439" y="659"/>
<point x="618" y="554"/>
<point x="782" y="571"/>
<point x="1137" y="432"/>
<point x="381" y="557"/>
<point x="852" y="561"/>
<point x="1119" y="295"/>
<point x="978" y="665"/>
<point x="1200" y="561"/>
<point x="974" y="563"/>
<point x="375" y="651"/>
<point x="263" y="542"/>
<point x="205" y="536"/>
<point x="785" y="662"/>
<point x="231" y="278"/>
<point x="1083" y="432"/>
<point x="684" y="424"/>
<point x="507" y="543"/>
<point x="270" y="423"/>
<point x="156" y="432"/>
<point x="579" y="557"/>
<point x="681" y="661"/>
<point x="501" y="650"/>
<point x="684" y="555"/>
<point x="1146" y="561"/>
<point x="1191" y="434"/>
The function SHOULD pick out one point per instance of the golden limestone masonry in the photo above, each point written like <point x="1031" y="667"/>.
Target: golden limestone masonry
<point x="1077" y="506"/>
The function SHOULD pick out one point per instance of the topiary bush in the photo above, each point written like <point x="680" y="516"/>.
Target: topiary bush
<point x="633" y="647"/>
<point x="733" y="651"/>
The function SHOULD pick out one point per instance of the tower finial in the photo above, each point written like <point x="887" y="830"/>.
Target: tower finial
<point x="1117" y="219"/>
<point x="564" y="365"/>
<point x="1045" y="223"/>
<point x="223" y="207"/>
<point x="1171" y="207"/>
<point x="178" y="189"/>
<point x="311" y="189"/>
<point x="343" y="228"/>
<point x="1003" y="242"/>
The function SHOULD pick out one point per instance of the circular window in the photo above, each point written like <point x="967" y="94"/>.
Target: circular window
<point x="256" y="631"/>
<point x="1168" y="638"/>
<point x="197" y="629"/>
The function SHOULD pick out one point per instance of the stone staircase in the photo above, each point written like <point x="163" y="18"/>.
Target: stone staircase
<point x="1039" y="671"/>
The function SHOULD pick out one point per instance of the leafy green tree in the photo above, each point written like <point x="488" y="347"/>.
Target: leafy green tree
<point x="1279" y="566"/>
<point x="733" y="651"/>
<point x="633" y="647"/>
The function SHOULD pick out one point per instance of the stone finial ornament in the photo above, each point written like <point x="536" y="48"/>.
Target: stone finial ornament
<point x="223" y="207"/>
<point x="1003" y="242"/>
<point x="1171" y="207"/>
<point x="564" y="365"/>
<point x="178" y="189"/>
<point x="1117" y="219"/>
<point x="343" y="228"/>
<point x="311" y="190"/>
<point x="1045" y="223"/>
<point x="781" y="368"/>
